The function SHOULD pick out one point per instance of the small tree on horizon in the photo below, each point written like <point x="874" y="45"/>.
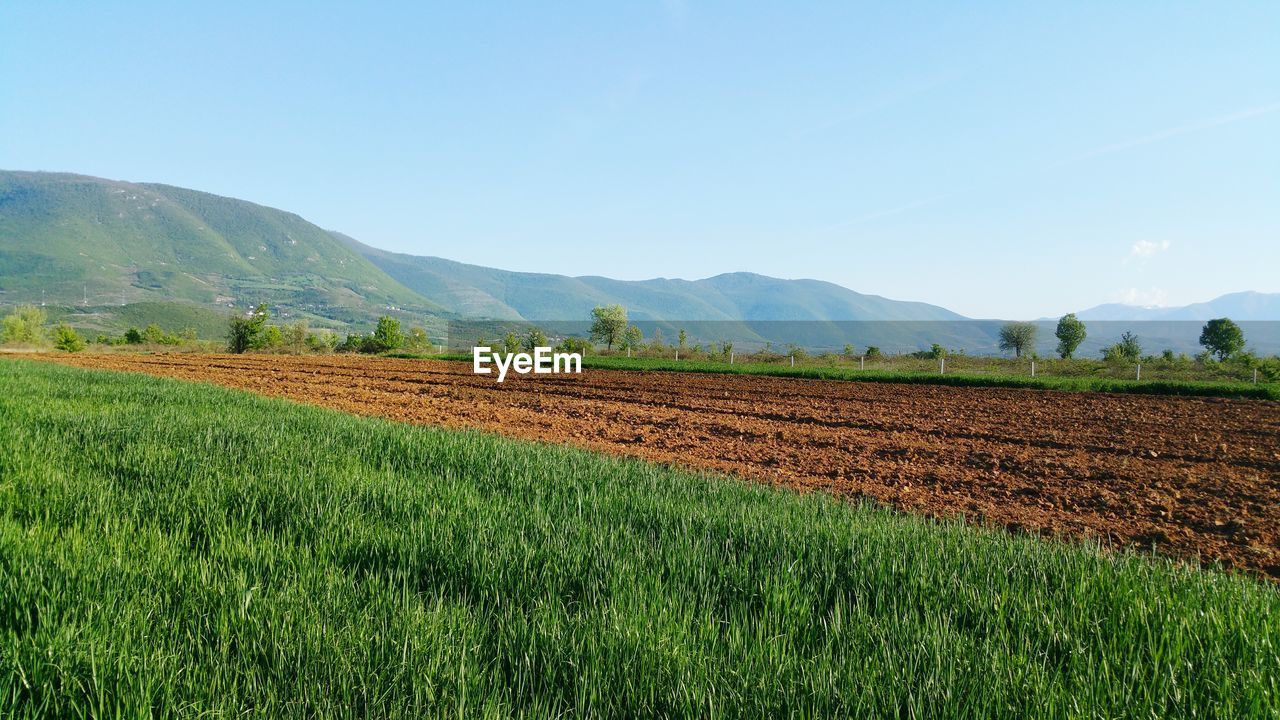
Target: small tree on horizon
<point x="24" y="325"/>
<point x="1127" y="350"/>
<point x="1019" y="337"/>
<point x="66" y="339"/>
<point x="632" y="338"/>
<point x="511" y="343"/>
<point x="1070" y="333"/>
<point x="387" y="336"/>
<point x="244" y="333"/>
<point x="608" y="323"/>
<point x="1222" y="337"/>
<point x="535" y="339"/>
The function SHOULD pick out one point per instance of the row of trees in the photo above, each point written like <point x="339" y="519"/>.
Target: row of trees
<point x="251" y="331"/>
<point x="1221" y="338"/>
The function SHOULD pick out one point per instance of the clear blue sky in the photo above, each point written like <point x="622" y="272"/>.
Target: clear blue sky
<point x="1013" y="160"/>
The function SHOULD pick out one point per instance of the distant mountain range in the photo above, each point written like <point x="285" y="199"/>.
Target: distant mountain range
<point x="1237" y="306"/>
<point x="475" y="292"/>
<point x="104" y="255"/>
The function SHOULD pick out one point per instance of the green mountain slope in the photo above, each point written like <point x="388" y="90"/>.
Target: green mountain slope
<point x="83" y="241"/>
<point x="474" y="291"/>
<point x="101" y="253"/>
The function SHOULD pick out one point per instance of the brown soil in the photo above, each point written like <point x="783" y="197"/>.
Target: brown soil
<point x="1194" y="477"/>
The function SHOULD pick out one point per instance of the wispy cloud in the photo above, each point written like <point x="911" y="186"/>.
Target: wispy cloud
<point x="1173" y="132"/>
<point x="1144" y="249"/>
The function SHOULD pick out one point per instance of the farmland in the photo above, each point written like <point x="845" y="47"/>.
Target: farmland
<point x="1194" y="478"/>
<point x="1161" y="378"/>
<point x="171" y="548"/>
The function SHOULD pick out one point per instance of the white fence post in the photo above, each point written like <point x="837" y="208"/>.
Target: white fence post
<point x="628" y="351"/>
<point x="1139" y="371"/>
<point x="942" y="367"/>
<point x="1255" y="376"/>
<point x="1033" y="368"/>
<point x="730" y="357"/>
<point x="793" y="361"/>
<point x="862" y="363"/>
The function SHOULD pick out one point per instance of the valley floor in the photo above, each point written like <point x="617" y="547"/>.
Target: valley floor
<point x="175" y="549"/>
<point x="1195" y="478"/>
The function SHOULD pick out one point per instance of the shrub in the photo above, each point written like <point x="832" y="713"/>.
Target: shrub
<point x="511" y="344"/>
<point x="66" y="339"/>
<point x="245" y="331"/>
<point x="24" y="325"/>
<point x="575" y="345"/>
<point x="535" y="339"/>
<point x="1127" y="350"/>
<point x="155" y="335"/>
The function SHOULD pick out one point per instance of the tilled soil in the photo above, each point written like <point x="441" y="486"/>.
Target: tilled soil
<point x="1198" y="478"/>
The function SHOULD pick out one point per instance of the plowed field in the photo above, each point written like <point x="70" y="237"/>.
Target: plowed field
<point x="1195" y="477"/>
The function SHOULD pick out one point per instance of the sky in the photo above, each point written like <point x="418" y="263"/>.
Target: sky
<point x="1013" y="160"/>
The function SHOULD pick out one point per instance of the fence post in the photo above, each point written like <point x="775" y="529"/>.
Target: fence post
<point x="1033" y="368"/>
<point x="1139" y="371"/>
<point x="942" y="367"/>
<point x="730" y="357"/>
<point x="793" y="361"/>
<point x="677" y="353"/>
<point x="628" y="351"/>
<point x="1255" y="376"/>
<point x="862" y="363"/>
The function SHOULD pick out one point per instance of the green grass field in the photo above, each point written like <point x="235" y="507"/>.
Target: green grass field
<point x="961" y="378"/>
<point x="179" y="549"/>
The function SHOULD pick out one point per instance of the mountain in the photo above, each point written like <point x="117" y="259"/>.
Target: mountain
<point x="1237" y="306"/>
<point x="106" y="254"/>
<point x="481" y="292"/>
<point x="96" y="245"/>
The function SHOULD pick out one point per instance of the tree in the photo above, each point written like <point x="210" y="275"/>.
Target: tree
<point x="1019" y="337"/>
<point x="632" y="338"/>
<point x="295" y="336"/>
<point x="387" y="335"/>
<point x="244" y="332"/>
<point x="322" y="341"/>
<point x="25" y="325"/>
<point x="874" y="352"/>
<point x="575" y="345"/>
<point x="682" y="338"/>
<point x="153" y="334"/>
<point x="511" y="343"/>
<point x="1127" y="350"/>
<point x="133" y="336"/>
<point x="66" y="339"/>
<point x="417" y="339"/>
<point x="535" y="339"/>
<point x="1070" y="334"/>
<point x="1222" y="337"/>
<point x="850" y="351"/>
<point x="272" y="337"/>
<point x="608" y="323"/>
